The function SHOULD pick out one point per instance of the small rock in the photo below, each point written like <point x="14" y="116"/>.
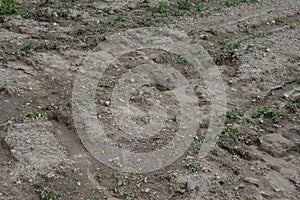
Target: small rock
<point x="72" y="68"/>
<point x="264" y="194"/>
<point x="107" y="103"/>
<point x="50" y="175"/>
<point x="276" y="189"/>
<point x="252" y="181"/>
<point x="82" y="71"/>
<point x="233" y="90"/>
<point x="20" y="126"/>
<point x="13" y="151"/>
<point x="189" y="157"/>
<point x="191" y="184"/>
<point x="147" y="190"/>
<point x="132" y="80"/>
<point x="286" y="96"/>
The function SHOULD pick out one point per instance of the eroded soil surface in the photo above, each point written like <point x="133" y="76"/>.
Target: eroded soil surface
<point x="256" y="48"/>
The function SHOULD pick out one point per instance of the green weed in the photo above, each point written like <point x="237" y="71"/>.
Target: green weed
<point x="48" y="194"/>
<point x="8" y="7"/>
<point x="234" y="115"/>
<point x="229" y="137"/>
<point x="34" y="115"/>
<point x="226" y="44"/>
<point x="204" y="124"/>
<point x="290" y="106"/>
<point x="266" y="112"/>
<point x="297" y="147"/>
<point x="215" y="152"/>
<point x="193" y="166"/>
<point x="27" y="48"/>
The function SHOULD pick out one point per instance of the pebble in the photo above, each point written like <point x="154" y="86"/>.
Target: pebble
<point x="233" y="90"/>
<point x="107" y="103"/>
<point x="264" y="194"/>
<point x="147" y="190"/>
<point x="252" y="181"/>
<point x="50" y="175"/>
<point x="276" y="189"/>
<point x="191" y="184"/>
<point x="189" y="157"/>
<point x="82" y="71"/>
<point x="20" y="126"/>
<point x="286" y="96"/>
<point x="72" y="68"/>
<point x="13" y="151"/>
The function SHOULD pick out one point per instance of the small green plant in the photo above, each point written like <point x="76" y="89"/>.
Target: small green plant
<point x="8" y="7"/>
<point x="197" y="149"/>
<point x="255" y="35"/>
<point x="226" y="44"/>
<point x="200" y="7"/>
<point x="185" y="4"/>
<point x="234" y="115"/>
<point x="200" y="137"/>
<point x="230" y="133"/>
<point x="215" y="152"/>
<point x="246" y="121"/>
<point x="82" y="31"/>
<point x="250" y="48"/>
<point x="297" y="80"/>
<point x="35" y="115"/>
<point x="48" y="194"/>
<point x="94" y="198"/>
<point x="278" y="21"/>
<point x="127" y="197"/>
<point x="180" y="60"/>
<point x="115" y="188"/>
<point x="290" y="106"/>
<point x="260" y="173"/>
<point x="292" y="26"/>
<point x="109" y="85"/>
<point x="27" y="48"/>
<point x="266" y="112"/>
<point x="3" y="60"/>
<point x="77" y="181"/>
<point x="144" y="179"/>
<point x="297" y="147"/>
<point x="98" y="178"/>
<point x="163" y="7"/>
<point x="118" y="18"/>
<point x="204" y="124"/>
<point x="193" y="166"/>
<point x="229" y="137"/>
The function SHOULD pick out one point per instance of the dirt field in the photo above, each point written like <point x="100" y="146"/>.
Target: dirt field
<point x="255" y="45"/>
